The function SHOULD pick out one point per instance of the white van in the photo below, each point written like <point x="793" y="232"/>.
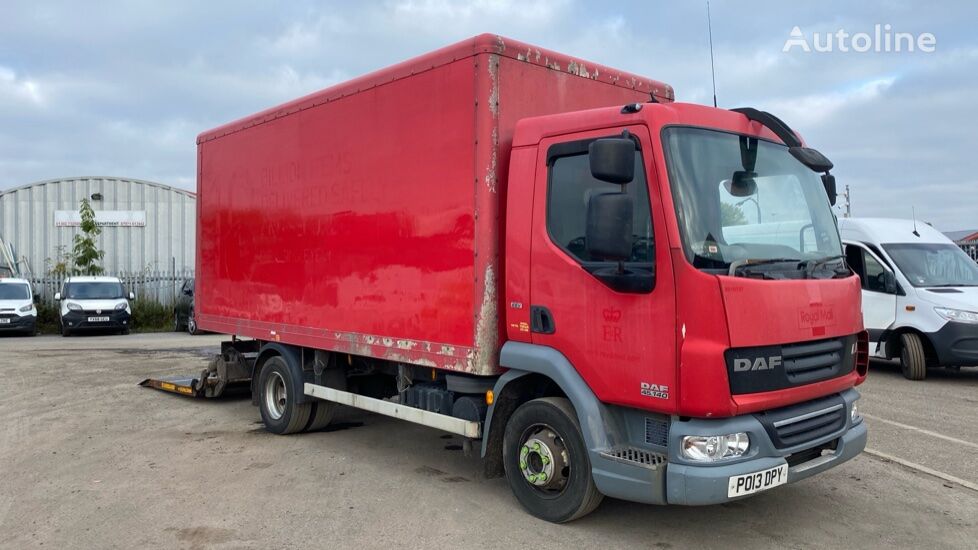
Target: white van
<point x="17" y="311"/>
<point x="920" y="293"/>
<point x="93" y="303"/>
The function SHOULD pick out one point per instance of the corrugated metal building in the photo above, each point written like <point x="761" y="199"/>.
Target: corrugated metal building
<point x="145" y="225"/>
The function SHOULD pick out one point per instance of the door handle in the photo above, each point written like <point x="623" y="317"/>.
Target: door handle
<point x="541" y="320"/>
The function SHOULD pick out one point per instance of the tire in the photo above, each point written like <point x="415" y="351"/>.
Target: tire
<point x="541" y="434"/>
<point x="279" y="411"/>
<point x="64" y="330"/>
<point x="913" y="361"/>
<point x="192" y="324"/>
<point x="322" y="414"/>
<point x="124" y="332"/>
<point x="177" y="325"/>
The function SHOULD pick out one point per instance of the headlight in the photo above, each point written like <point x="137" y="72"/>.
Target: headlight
<point x="959" y="315"/>
<point x="710" y="448"/>
<point x="122" y="306"/>
<point x="26" y="308"/>
<point x="854" y="417"/>
<point x="74" y="307"/>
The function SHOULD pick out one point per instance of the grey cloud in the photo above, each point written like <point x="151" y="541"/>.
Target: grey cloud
<point x="124" y="88"/>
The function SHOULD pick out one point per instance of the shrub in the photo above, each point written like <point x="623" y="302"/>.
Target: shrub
<point x="47" y="318"/>
<point x="148" y="316"/>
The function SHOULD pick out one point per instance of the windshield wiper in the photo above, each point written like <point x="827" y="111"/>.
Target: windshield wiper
<point x="815" y="264"/>
<point x="754" y="262"/>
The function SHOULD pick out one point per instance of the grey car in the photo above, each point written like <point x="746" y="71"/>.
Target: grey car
<point x="183" y="311"/>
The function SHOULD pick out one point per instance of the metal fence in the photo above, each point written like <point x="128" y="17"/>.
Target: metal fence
<point x="970" y="248"/>
<point x="162" y="287"/>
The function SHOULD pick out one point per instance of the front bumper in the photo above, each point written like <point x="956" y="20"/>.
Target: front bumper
<point x="79" y="320"/>
<point x="956" y="344"/>
<point x="18" y="323"/>
<point x="676" y="480"/>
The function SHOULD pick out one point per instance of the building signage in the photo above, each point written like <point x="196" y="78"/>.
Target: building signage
<point x="103" y="218"/>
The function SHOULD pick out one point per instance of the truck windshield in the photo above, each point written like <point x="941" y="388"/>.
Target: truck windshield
<point x="934" y="264"/>
<point x="94" y="291"/>
<point x="10" y="291"/>
<point x="747" y="203"/>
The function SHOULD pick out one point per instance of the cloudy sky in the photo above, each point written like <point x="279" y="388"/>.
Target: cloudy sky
<point x="123" y="88"/>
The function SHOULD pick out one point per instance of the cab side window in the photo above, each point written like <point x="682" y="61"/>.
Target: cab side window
<point x="870" y="271"/>
<point x="571" y="186"/>
<point x="874" y="278"/>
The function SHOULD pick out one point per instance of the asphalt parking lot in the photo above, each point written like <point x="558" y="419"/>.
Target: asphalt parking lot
<point x="89" y="459"/>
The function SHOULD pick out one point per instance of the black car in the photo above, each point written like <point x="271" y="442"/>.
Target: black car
<point x="183" y="311"/>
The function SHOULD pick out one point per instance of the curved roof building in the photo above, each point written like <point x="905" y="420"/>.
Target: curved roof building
<point x="146" y="226"/>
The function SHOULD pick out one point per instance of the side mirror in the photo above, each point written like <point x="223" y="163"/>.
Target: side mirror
<point x="889" y="282"/>
<point x="828" y="181"/>
<point x="612" y="160"/>
<point x="132" y="296"/>
<point x="608" y="234"/>
<point x="57" y="296"/>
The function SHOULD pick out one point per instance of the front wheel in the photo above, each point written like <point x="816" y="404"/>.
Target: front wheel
<point x="546" y="461"/>
<point x="913" y="362"/>
<point x="279" y="411"/>
<point x="64" y="330"/>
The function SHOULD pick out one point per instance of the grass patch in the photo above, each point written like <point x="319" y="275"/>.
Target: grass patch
<point x="146" y="317"/>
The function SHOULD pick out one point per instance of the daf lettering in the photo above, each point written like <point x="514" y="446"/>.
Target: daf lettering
<point x="761" y="363"/>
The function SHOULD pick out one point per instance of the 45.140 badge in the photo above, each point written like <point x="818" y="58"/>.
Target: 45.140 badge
<point x="657" y="391"/>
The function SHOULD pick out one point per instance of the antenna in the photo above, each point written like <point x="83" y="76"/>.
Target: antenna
<point x="913" y="212"/>
<point x="713" y="71"/>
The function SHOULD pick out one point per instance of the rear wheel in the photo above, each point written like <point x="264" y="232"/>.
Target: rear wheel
<point x="546" y="461"/>
<point x="913" y="361"/>
<point x="279" y="411"/>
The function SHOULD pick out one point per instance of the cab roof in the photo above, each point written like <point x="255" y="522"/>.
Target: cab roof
<point x="14" y="280"/>
<point x="890" y="230"/>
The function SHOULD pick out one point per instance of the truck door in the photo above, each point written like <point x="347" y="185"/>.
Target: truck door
<point x="622" y="343"/>
<point x="879" y="296"/>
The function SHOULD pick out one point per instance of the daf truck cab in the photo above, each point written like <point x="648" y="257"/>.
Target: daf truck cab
<point x="919" y="290"/>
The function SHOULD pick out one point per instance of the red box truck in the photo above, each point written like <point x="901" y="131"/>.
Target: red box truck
<point x="610" y="292"/>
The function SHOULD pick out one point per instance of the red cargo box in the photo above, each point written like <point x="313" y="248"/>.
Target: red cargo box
<point x="368" y="218"/>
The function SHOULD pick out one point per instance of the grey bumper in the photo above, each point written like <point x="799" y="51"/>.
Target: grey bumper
<point x="699" y="485"/>
<point x="675" y="480"/>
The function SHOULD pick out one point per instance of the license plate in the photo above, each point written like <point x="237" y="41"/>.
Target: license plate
<point x="748" y="484"/>
<point x="97" y="319"/>
<point x="4" y="321"/>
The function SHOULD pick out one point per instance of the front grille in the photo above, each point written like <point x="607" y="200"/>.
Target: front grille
<point x="768" y="368"/>
<point x="636" y="457"/>
<point x="800" y="424"/>
<point x="656" y="431"/>
<point x="811" y="361"/>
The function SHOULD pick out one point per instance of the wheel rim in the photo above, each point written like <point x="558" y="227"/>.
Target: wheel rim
<point x="276" y="395"/>
<point x="543" y="460"/>
<point x="192" y="324"/>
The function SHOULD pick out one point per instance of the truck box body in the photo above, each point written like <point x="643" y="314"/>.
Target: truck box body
<point x="368" y="218"/>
